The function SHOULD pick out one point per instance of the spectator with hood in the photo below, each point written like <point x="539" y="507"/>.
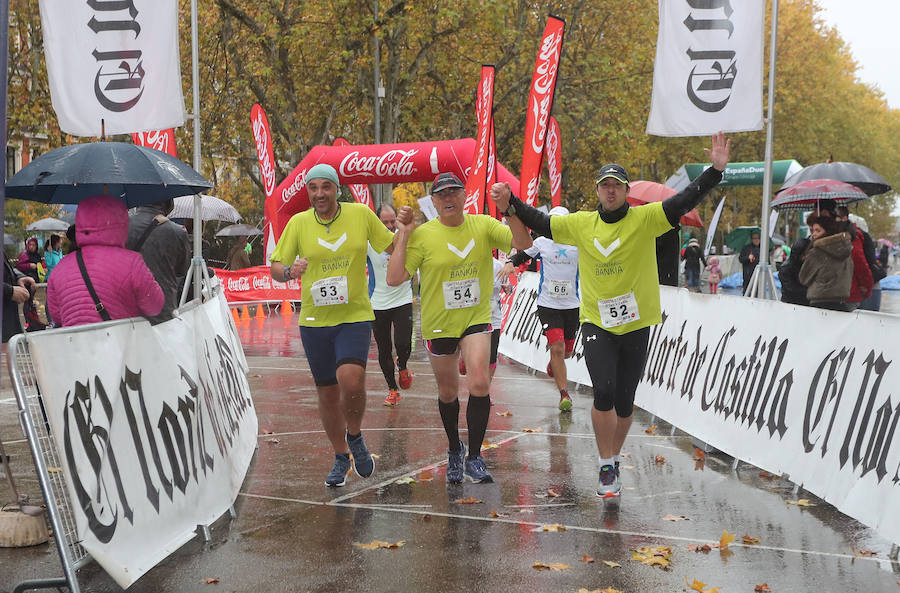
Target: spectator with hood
<point x="792" y="290"/>
<point x="863" y="253"/>
<point x="827" y="269"/>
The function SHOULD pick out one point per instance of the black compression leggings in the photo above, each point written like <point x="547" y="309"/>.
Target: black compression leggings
<point x="615" y="363"/>
<point x="402" y="321"/>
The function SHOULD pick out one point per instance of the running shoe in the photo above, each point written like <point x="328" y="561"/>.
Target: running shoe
<point x="462" y="366"/>
<point x="363" y="462"/>
<point x="609" y="486"/>
<point x="549" y="370"/>
<point x="406" y="377"/>
<point x="338" y="475"/>
<point x="565" y="402"/>
<point x="477" y="471"/>
<point x="617" y="470"/>
<point x="455" y="465"/>
<point x="393" y="398"/>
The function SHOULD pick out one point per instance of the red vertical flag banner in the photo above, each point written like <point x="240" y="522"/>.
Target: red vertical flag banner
<point x="161" y="140"/>
<point x="360" y="191"/>
<point x="492" y="173"/>
<point x="476" y="182"/>
<point x="540" y="101"/>
<point x="262" y="135"/>
<point x="554" y="162"/>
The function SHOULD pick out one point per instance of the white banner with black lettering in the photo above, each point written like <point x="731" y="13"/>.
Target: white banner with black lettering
<point x="155" y="427"/>
<point x="115" y="61"/>
<point x="792" y="390"/>
<point x="708" y="71"/>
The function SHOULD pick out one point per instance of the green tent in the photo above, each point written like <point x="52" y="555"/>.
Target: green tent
<point x="735" y="173"/>
<point x="740" y="236"/>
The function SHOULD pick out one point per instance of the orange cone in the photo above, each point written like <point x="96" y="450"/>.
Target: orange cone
<point x="259" y="312"/>
<point x="286" y="308"/>
<point x="245" y="313"/>
<point x="235" y="315"/>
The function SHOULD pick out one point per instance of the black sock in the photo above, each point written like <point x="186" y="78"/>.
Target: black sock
<point x="450" y="418"/>
<point x="353" y="437"/>
<point x="478" y="411"/>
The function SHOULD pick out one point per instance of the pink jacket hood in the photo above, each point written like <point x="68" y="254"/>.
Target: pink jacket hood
<point x="101" y="220"/>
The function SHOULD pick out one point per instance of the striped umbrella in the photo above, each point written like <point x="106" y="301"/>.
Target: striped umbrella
<point x="807" y="194"/>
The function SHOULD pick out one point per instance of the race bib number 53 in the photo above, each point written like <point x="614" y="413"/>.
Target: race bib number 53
<point x="330" y="291"/>
<point x="618" y="310"/>
<point x="460" y="294"/>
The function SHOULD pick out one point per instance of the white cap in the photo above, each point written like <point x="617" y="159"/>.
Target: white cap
<point x="559" y="211"/>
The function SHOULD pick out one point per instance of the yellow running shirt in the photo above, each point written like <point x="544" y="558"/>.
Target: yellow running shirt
<point x="334" y="289"/>
<point x="616" y="265"/>
<point x="456" y="272"/>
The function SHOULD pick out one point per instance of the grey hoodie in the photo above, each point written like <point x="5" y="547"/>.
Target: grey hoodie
<point x="827" y="269"/>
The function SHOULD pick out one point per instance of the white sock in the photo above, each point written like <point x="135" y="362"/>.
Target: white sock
<point x="606" y="461"/>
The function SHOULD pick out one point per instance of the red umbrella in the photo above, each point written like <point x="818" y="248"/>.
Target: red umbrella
<point x="806" y="194"/>
<point x="644" y="192"/>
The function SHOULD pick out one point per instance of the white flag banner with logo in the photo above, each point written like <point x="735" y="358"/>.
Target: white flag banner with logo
<point x="709" y="66"/>
<point x="115" y="61"/>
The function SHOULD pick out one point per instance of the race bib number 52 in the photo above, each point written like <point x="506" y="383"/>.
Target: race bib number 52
<point x="618" y="310"/>
<point x="330" y="291"/>
<point x="460" y="294"/>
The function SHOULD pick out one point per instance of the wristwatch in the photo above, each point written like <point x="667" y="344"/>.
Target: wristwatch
<point x="287" y="275"/>
<point x="510" y="210"/>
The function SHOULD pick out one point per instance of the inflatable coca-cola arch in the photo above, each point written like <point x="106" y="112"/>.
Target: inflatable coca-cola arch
<point x="372" y="163"/>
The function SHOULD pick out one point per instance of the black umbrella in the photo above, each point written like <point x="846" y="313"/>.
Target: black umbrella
<point x="137" y="174"/>
<point x="859" y="175"/>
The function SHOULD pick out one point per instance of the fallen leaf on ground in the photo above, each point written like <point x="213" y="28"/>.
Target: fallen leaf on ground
<point x="552" y="493"/>
<point x="53" y="469"/>
<point x="766" y="475"/>
<point x="211" y="581"/>
<point x="607" y="590"/>
<point x="266" y="431"/>
<point x="651" y="430"/>
<point x="495" y="514"/>
<point x="505" y="413"/>
<point x="532" y="430"/>
<point x="705" y="548"/>
<point x="764" y="588"/>
<point x="803" y="502"/>
<point x="426" y="517"/>
<point x="627" y="467"/>
<point x="659" y="460"/>
<point x="255" y="376"/>
<point x="653" y="555"/>
<point x="862" y="553"/>
<point x="374" y="456"/>
<point x="726" y="539"/>
<point x="626" y="455"/>
<point x="424" y="477"/>
<point x="612" y="564"/>
<point x="749" y="540"/>
<point x="588" y="559"/>
<point x="556" y="527"/>
<point x="407" y="480"/>
<point x="273" y="440"/>
<point x="375" y="544"/>
<point x="698" y="586"/>
<point x="470" y="500"/>
<point x="554" y="566"/>
<point x="488" y="445"/>
<point x="675" y="518"/>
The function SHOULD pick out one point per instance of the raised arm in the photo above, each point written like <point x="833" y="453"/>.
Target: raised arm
<point x="530" y="217"/>
<point x="687" y="199"/>
<point x="396" y="272"/>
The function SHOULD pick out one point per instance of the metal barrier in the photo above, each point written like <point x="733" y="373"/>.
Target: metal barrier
<point x="34" y="423"/>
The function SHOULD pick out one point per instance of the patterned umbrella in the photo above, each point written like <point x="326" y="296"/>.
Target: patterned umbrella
<point x="210" y="209"/>
<point x="644" y="192"/>
<point x="806" y="194"/>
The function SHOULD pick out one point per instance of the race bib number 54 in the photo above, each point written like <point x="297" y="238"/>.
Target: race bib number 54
<point x="330" y="291"/>
<point x="618" y="310"/>
<point x="460" y="294"/>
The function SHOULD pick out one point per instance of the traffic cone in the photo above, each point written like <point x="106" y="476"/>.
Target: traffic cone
<point x="286" y="308"/>
<point x="259" y="312"/>
<point x="245" y="313"/>
<point x="235" y="315"/>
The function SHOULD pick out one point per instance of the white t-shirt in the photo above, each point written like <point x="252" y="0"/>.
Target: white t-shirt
<point x="559" y="274"/>
<point x="496" y="308"/>
<point x="383" y="296"/>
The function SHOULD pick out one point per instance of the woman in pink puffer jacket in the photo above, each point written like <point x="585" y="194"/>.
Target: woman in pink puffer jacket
<point x="123" y="282"/>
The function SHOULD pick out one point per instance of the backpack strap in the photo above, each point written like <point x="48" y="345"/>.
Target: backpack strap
<point x="104" y="315"/>
<point x="157" y="220"/>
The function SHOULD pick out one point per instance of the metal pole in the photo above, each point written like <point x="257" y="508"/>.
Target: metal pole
<point x="197" y="260"/>
<point x="378" y="91"/>
<point x="4" y="64"/>
<point x="763" y="287"/>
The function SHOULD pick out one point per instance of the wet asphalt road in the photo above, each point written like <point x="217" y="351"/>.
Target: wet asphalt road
<point x="292" y="534"/>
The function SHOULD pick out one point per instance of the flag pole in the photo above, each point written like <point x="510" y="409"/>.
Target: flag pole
<point x="4" y="64"/>
<point x="197" y="261"/>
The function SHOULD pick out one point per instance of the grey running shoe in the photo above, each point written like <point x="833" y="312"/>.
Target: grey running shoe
<point x="363" y="462"/>
<point x="338" y="475"/>
<point x="455" y="464"/>
<point x="609" y="486"/>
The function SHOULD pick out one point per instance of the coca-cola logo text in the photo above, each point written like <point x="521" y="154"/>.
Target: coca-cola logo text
<point x="484" y="121"/>
<point x="553" y="170"/>
<point x="238" y="284"/>
<point x="157" y="140"/>
<point x="291" y="190"/>
<point x="266" y="166"/>
<point x="540" y="109"/>
<point x="393" y="163"/>
<point x="548" y="61"/>
<point x="532" y="190"/>
<point x="472" y="200"/>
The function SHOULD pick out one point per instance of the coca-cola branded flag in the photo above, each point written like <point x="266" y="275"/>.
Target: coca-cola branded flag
<point x="540" y="102"/>
<point x="265" y="152"/>
<point x="161" y="140"/>
<point x="492" y="173"/>
<point x="360" y="191"/>
<point x="115" y="62"/>
<point x="478" y="175"/>
<point x="709" y="67"/>
<point x="554" y="162"/>
<point x="256" y="284"/>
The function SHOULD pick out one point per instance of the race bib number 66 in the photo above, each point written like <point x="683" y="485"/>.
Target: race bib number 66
<point x="618" y="310"/>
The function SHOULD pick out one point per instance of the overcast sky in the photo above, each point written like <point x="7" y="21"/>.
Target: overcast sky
<point x="870" y="29"/>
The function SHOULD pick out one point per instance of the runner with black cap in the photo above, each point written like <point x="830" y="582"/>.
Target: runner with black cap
<point x="619" y="288"/>
<point x="326" y="245"/>
<point x="453" y="255"/>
